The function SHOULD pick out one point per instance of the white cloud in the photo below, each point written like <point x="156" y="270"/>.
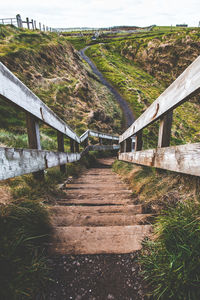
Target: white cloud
<point x="71" y="13"/>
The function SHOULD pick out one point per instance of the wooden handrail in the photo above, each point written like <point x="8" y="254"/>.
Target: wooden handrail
<point x="13" y="90"/>
<point x="17" y="162"/>
<point x="185" y="86"/>
<point x="101" y="135"/>
<point x="184" y="158"/>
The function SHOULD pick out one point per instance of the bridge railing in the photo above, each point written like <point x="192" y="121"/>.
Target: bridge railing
<point x="184" y="158"/>
<point x="15" y="162"/>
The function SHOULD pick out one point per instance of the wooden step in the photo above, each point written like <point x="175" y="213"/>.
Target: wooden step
<point x="106" y="219"/>
<point x="96" y="240"/>
<point x="97" y="186"/>
<point x="127" y="209"/>
<point x="97" y="196"/>
<point x="95" y="201"/>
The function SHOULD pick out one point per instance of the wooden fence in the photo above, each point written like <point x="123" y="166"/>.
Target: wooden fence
<point x="29" y="23"/>
<point x="15" y="162"/>
<point x="184" y="158"/>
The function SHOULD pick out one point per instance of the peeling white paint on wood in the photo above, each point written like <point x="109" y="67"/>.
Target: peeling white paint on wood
<point x="15" y="162"/>
<point x="184" y="86"/>
<point x="182" y="159"/>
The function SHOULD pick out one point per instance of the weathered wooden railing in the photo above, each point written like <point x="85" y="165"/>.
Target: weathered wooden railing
<point x="29" y="23"/>
<point x="184" y="158"/>
<point x="15" y="162"/>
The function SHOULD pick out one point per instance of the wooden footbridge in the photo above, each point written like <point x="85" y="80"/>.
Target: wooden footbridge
<point x="98" y="215"/>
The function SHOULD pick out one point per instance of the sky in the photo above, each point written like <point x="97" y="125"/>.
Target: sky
<point x="104" y="13"/>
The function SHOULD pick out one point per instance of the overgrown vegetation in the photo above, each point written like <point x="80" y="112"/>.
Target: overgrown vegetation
<point x="24" y="231"/>
<point x="170" y="260"/>
<point x="25" y="228"/>
<point x="54" y="71"/>
<point x="143" y="65"/>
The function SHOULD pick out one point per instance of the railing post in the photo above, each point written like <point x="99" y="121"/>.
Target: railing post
<point x="128" y="145"/>
<point x="86" y="142"/>
<point x="27" y="21"/>
<point x="60" y="141"/>
<point x="34" y="139"/>
<point x="100" y="141"/>
<point x="32" y="22"/>
<point x="164" y="135"/>
<point x="19" y="21"/>
<point x="121" y="145"/>
<point x="138" y="141"/>
<point x="76" y="147"/>
<point x="124" y="148"/>
<point x="72" y="148"/>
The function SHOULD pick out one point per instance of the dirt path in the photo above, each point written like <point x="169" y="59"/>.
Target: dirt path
<point x="128" y="115"/>
<point x="97" y="232"/>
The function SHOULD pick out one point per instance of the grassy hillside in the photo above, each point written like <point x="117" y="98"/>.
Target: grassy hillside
<point x="170" y="259"/>
<point x="53" y="70"/>
<point x="143" y="65"/>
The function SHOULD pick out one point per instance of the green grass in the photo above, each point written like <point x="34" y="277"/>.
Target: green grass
<point x="135" y="85"/>
<point x="171" y="261"/>
<point x="24" y="230"/>
<point x="121" y="62"/>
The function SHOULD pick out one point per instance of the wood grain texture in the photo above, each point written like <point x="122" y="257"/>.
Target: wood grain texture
<point x="15" y="162"/>
<point x="164" y="134"/>
<point x="185" y="86"/>
<point x="183" y="159"/>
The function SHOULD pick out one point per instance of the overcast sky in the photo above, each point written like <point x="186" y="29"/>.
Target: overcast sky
<point x="104" y="13"/>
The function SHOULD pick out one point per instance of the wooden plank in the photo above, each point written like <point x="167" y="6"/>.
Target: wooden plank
<point x="103" y="135"/>
<point x="12" y="89"/>
<point x="187" y="84"/>
<point x="15" y="162"/>
<point x="183" y="159"/>
<point x="164" y="134"/>
<point x="60" y="141"/>
<point x="103" y="147"/>
<point x="84" y="136"/>
<point x="97" y="134"/>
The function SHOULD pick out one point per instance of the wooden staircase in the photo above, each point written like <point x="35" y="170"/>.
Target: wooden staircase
<point x="97" y="215"/>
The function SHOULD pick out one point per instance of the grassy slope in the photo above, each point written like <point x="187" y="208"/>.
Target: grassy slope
<point x="141" y="67"/>
<point x="170" y="259"/>
<point x="52" y="68"/>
